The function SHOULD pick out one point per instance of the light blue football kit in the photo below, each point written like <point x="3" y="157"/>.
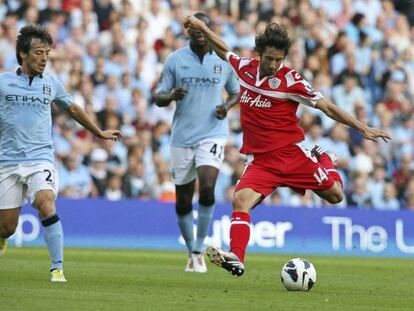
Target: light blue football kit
<point x="194" y="119"/>
<point x="25" y="117"/>
<point x="26" y="146"/>
<point x="198" y="136"/>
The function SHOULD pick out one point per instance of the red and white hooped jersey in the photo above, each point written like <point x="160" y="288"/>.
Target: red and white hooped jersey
<point x="268" y="106"/>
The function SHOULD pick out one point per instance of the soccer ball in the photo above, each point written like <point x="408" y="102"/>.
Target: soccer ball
<point x="298" y="274"/>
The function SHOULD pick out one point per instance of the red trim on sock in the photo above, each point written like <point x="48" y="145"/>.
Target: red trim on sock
<point x="239" y="233"/>
<point x="327" y="164"/>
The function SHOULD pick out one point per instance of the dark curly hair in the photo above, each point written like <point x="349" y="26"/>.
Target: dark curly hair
<point x="27" y="33"/>
<point x="274" y="36"/>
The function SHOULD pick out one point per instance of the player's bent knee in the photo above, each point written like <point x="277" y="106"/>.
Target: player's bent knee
<point x="206" y="200"/>
<point x="240" y="205"/>
<point x="335" y="198"/>
<point x="44" y="199"/>
<point x="183" y="209"/>
<point x="46" y="207"/>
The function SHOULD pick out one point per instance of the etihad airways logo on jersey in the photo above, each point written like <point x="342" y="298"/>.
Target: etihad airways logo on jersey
<point x="200" y="81"/>
<point x="246" y="98"/>
<point x="27" y="99"/>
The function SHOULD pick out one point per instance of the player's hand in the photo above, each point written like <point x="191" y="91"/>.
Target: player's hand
<point x="193" y="22"/>
<point x="178" y="93"/>
<point x="111" y="134"/>
<point x="374" y="133"/>
<point x="221" y="111"/>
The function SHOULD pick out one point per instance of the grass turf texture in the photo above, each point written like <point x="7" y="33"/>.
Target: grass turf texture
<point x="155" y="280"/>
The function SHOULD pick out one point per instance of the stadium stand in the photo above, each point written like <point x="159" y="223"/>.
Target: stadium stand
<point x="109" y="55"/>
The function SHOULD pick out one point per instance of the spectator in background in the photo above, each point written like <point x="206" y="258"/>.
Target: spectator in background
<point x="109" y="115"/>
<point x="376" y="182"/>
<point x="98" y="169"/>
<point x="52" y="7"/>
<point x="359" y="196"/>
<point x="65" y="139"/>
<point x="116" y="157"/>
<point x="388" y="201"/>
<point x="315" y="136"/>
<point x="134" y="184"/>
<point x="104" y="11"/>
<point x="113" y="191"/>
<point x="338" y="143"/>
<point x="409" y="195"/>
<point x="110" y="89"/>
<point x="355" y="27"/>
<point x="75" y="180"/>
<point x="99" y="76"/>
<point x="403" y="174"/>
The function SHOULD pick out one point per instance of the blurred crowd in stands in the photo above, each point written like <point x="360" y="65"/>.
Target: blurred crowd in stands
<point x="109" y="55"/>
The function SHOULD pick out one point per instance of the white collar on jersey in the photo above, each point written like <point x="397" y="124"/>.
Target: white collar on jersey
<point x="259" y="81"/>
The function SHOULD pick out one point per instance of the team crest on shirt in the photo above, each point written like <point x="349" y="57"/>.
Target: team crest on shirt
<point x="47" y="90"/>
<point x="217" y="69"/>
<point x="274" y="83"/>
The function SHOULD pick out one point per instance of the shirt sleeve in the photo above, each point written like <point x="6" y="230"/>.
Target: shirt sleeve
<point x="167" y="80"/>
<point x="62" y="98"/>
<point x="232" y="85"/>
<point x="299" y="90"/>
<point x="237" y="62"/>
<point x="233" y="59"/>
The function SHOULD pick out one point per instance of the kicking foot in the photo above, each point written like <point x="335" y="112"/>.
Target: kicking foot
<point x="226" y="260"/>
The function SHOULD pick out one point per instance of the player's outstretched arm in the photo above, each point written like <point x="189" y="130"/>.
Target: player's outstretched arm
<point x="214" y="40"/>
<point x="337" y="114"/>
<point x="77" y="113"/>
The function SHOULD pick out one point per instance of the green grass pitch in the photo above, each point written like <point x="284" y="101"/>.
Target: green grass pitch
<point x="155" y="280"/>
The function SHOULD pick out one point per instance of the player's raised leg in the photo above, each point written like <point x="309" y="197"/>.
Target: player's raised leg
<point x="244" y="200"/>
<point x="44" y="202"/>
<point x="328" y="161"/>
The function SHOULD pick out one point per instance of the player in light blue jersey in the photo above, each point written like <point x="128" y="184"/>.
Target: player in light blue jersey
<point x="26" y="148"/>
<point x="195" y="77"/>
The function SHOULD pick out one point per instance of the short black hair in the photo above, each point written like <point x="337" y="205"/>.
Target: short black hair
<point x="27" y="33"/>
<point x="274" y="36"/>
<point x="204" y="18"/>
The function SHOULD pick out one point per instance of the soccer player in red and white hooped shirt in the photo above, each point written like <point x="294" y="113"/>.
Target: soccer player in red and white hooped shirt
<point x="270" y="95"/>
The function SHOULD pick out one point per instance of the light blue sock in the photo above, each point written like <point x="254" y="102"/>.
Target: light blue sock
<point x="53" y="234"/>
<point x="186" y="226"/>
<point x="205" y="214"/>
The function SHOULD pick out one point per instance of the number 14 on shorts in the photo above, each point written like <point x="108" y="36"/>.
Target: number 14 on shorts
<point x="320" y="175"/>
